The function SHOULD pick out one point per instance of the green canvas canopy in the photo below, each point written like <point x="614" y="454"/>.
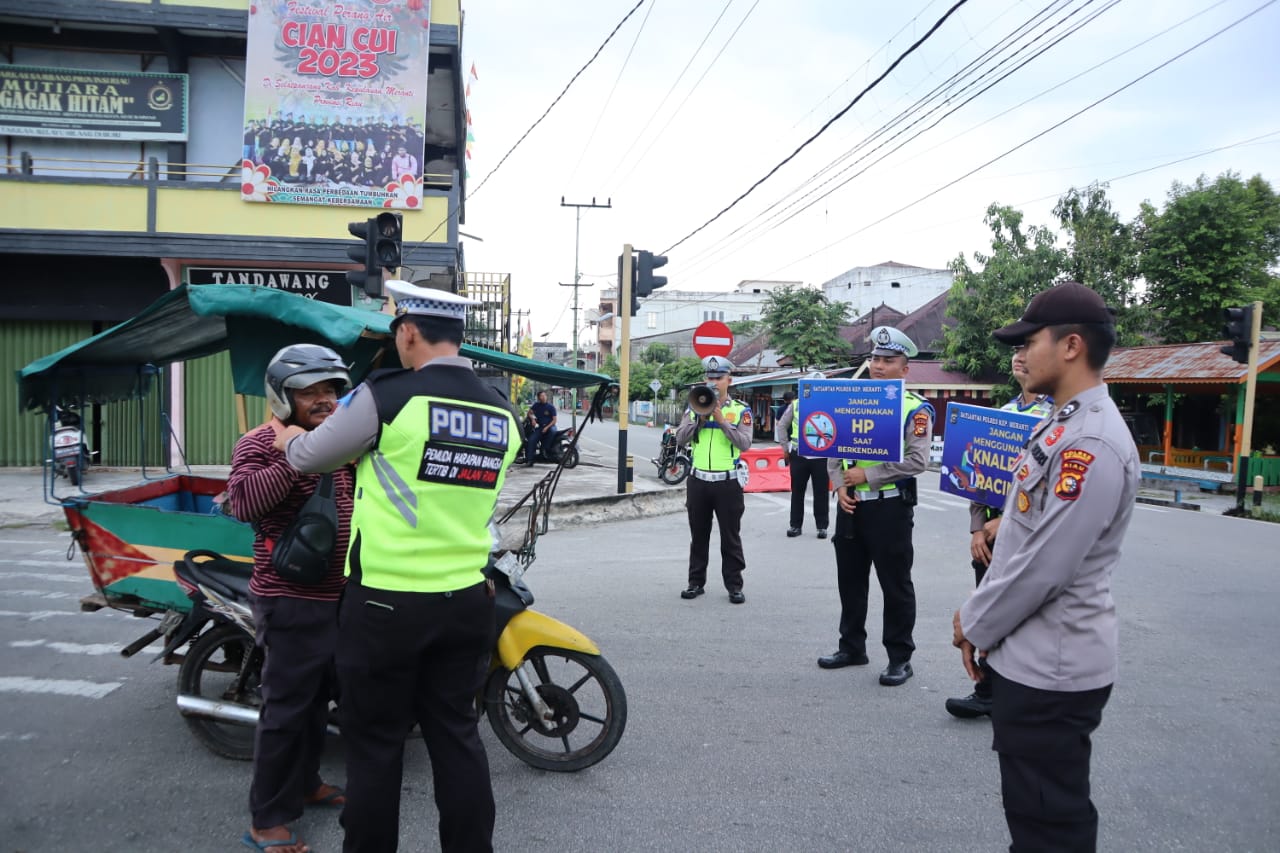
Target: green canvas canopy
<point x="252" y="323"/>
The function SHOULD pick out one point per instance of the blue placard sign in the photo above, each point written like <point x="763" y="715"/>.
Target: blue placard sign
<point x="981" y="448"/>
<point x="851" y="419"/>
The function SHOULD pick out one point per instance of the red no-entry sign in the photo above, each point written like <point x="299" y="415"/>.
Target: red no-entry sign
<point x="712" y="338"/>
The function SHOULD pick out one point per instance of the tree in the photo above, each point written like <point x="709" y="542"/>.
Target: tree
<point x="658" y="354"/>
<point x="744" y="328"/>
<point x="1019" y="266"/>
<point x="1103" y="254"/>
<point x="1212" y="245"/>
<point x="672" y="374"/>
<point x="804" y="326"/>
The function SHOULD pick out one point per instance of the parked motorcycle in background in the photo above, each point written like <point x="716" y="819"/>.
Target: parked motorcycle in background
<point x="673" y="461"/>
<point x="560" y="447"/>
<point x="70" y="452"/>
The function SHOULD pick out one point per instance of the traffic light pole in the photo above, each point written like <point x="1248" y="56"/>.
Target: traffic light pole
<point x="1245" y="426"/>
<point x="624" y="368"/>
<point x="577" y="228"/>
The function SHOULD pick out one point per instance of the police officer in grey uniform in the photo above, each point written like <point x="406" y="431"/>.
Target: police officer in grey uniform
<point x="1044" y="612"/>
<point x="874" y="520"/>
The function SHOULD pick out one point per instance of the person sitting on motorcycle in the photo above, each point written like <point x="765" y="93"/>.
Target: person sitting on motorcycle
<point x="543" y="415"/>
<point x="297" y="626"/>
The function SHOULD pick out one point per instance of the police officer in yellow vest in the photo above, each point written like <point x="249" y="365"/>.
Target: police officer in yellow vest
<point x="874" y="518"/>
<point x="416" y="624"/>
<point x="716" y="439"/>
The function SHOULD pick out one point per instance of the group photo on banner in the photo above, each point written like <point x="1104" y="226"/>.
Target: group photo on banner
<point x="336" y="103"/>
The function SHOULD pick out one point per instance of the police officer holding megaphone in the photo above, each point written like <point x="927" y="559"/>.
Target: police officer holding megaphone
<point x="717" y="429"/>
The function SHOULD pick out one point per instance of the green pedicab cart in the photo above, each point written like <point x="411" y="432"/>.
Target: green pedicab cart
<point x="131" y="537"/>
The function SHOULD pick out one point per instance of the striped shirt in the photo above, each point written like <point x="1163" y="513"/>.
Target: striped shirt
<point x="264" y="488"/>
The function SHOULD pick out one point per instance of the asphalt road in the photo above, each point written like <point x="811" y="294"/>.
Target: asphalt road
<point x="736" y="740"/>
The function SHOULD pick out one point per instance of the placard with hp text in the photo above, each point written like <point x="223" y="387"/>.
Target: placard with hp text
<point x="859" y="419"/>
<point x="981" y="448"/>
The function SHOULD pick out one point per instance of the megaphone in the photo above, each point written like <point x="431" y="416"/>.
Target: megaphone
<point x="702" y="399"/>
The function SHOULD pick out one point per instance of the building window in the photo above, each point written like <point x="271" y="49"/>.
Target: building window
<point x="746" y="318"/>
<point x="894" y="284"/>
<point x="650" y="320"/>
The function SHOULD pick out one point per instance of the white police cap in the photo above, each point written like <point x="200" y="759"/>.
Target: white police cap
<point x="427" y="301"/>
<point x="714" y="365"/>
<point x="887" y="340"/>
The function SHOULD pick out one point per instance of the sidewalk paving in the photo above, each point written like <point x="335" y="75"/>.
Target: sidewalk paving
<point x="587" y="494"/>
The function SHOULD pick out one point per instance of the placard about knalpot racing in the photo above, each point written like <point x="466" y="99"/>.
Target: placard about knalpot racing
<point x="858" y="419"/>
<point x="982" y="445"/>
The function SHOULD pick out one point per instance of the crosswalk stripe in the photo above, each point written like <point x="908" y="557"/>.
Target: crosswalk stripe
<point x="37" y="564"/>
<point x="57" y="686"/>
<point x="90" y="649"/>
<point x="40" y="576"/>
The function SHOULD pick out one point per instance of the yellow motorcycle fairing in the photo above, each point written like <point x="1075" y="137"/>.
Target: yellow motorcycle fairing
<point x="529" y="628"/>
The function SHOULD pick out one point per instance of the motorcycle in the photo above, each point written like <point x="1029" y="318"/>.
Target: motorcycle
<point x="560" y="447"/>
<point x="550" y="696"/>
<point x="70" y="451"/>
<point x="673" y="461"/>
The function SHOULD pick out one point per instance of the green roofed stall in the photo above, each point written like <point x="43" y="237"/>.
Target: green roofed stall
<point x="252" y="323"/>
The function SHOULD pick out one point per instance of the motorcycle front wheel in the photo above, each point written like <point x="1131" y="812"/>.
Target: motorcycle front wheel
<point x="211" y="670"/>
<point x="674" y="472"/>
<point x="588" y="708"/>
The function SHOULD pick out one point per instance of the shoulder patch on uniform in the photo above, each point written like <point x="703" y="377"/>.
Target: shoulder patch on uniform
<point x="1038" y="454"/>
<point x="1068" y="410"/>
<point x="1052" y="438"/>
<point x="1023" y="472"/>
<point x="1024" y="502"/>
<point x="1075" y="464"/>
<point x="746" y="417"/>
<point x="920" y="423"/>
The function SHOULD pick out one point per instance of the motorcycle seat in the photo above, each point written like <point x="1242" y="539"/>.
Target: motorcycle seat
<point x="228" y="578"/>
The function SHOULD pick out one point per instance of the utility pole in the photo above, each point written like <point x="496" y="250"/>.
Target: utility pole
<point x="520" y="314"/>
<point x="577" y="228"/>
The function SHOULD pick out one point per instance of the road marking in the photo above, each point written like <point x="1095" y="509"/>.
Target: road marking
<point x="38" y="576"/>
<point x="90" y="649"/>
<point x="922" y="505"/>
<point x="37" y="564"/>
<point x="28" y="542"/>
<point x="36" y="593"/>
<point x="57" y="686"/>
<point x="40" y="615"/>
<point x="25" y="736"/>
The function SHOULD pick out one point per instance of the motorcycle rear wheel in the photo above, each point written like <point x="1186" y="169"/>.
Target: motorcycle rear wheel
<point x="209" y="670"/>
<point x="674" y="472"/>
<point x="73" y="474"/>
<point x="570" y="457"/>
<point x="586" y="698"/>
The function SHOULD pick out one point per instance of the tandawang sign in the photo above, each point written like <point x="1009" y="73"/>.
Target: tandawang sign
<point x="81" y="103"/>
<point x="322" y="285"/>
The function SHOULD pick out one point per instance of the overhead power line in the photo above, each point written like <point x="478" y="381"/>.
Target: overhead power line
<point x="1032" y="138"/>
<point x="824" y="127"/>
<point x="453" y="211"/>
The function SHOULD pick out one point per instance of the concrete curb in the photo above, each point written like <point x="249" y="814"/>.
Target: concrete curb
<point x="602" y="510"/>
<point x="1162" y="502"/>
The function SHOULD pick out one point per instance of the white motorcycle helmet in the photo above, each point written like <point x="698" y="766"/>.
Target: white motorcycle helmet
<point x="298" y="366"/>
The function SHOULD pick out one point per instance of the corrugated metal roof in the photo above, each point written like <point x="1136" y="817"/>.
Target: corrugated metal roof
<point x="1185" y="363"/>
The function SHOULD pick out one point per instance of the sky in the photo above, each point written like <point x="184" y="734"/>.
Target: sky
<point x="670" y="133"/>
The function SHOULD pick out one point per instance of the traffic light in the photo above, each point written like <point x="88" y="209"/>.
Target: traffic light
<point x="646" y="281"/>
<point x="635" y="299"/>
<point x="1238" y="326"/>
<point x="382" y="235"/>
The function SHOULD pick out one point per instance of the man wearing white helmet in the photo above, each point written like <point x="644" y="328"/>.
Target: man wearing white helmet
<point x="434" y="443"/>
<point x="874" y="519"/>
<point x="716" y="436"/>
<point x="296" y="623"/>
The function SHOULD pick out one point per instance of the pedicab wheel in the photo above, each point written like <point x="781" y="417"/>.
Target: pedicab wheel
<point x="588" y="710"/>
<point x="211" y="670"/>
<point x="674" y="472"/>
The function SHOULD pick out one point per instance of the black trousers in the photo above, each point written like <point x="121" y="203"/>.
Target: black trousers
<point x="805" y="473"/>
<point x="407" y="658"/>
<point x="879" y="532"/>
<point x="981" y="689"/>
<point x="723" y="501"/>
<point x="299" y="637"/>
<point x="1042" y="738"/>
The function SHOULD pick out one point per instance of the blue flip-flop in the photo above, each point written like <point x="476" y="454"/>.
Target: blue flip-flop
<point x="329" y="800"/>
<point x="248" y="841"/>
